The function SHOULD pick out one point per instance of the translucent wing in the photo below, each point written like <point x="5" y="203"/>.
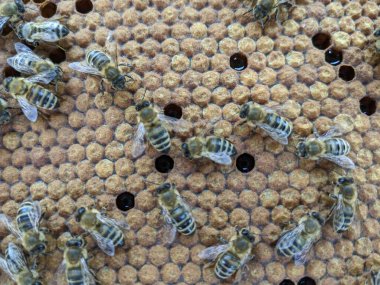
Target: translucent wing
<point x="20" y="48"/>
<point x="16" y="258"/>
<point x="106" y="245"/>
<point x="24" y="57"/>
<point x="138" y="145"/>
<point x="29" y="110"/>
<point x="5" y="268"/>
<point x="112" y="222"/>
<point x="333" y="132"/>
<point x="174" y="123"/>
<point x="274" y="134"/>
<point x="341" y="160"/>
<point x="168" y="233"/>
<point x="288" y="238"/>
<point x="3" y="21"/>
<point x="300" y="257"/>
<point x="44" y="77"/>
<point x="212" y="252"/>
<point x="35" y="215"/>
<point x="338" y="213"/>
<point x="221" y="158"/>
<point x="8" y="223"/>
<point x="82" y="67"/>
<point x="60" y="276"/>
<point x="88" y="276"/>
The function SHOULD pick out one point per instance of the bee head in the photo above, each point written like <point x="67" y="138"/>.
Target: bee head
<point x="7" y="82"/>
<point x="301" y="149"/>
<point x="246" y="233"/>
<point x="142" y="105"/>
<point x="345" y="180"/>
<point x="79" y="214"/>
<point x="37" y="242"/>
<point x="163" y="188"/>
<point x="20" y="6"/>
<point x="318" y="217"/>
<point x="377" y="33"/>
<point x="185" y="150"/>
<point x="75" y="242"/>
<point x="119" y="83"/>
<point x="244" y="111"/>
<point x="64" y="31"/>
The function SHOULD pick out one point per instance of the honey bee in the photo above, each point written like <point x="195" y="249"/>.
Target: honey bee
<point x="27" y="62"/>
<point x="15" y="265"/>
<point x="30" y="96"/>
<point x="231" y="257"/>
<point x="176" y="212"/>
<point x="217" y="149"/>
<point x="101" y="64"/>
<point x="74" y="266"/>
<point x="297" y="242"/>
<point x="5" y="115"/>
<point x="11" y="11"/>
<point x="343" y="212"/>
<point x="262" y="10"/>
<point x="327" y="147"/>
<point x="153" y="125"/>
<point x="47" y="31"/>
<point x="377" y="43"/>
<point x="274" y="125"/>
<point x="27" y="227"/>
<point x="374" y="278"/>
<point x="106" y="231"/>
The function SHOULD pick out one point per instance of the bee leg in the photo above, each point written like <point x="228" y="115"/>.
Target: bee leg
<point x="102" y="89"/>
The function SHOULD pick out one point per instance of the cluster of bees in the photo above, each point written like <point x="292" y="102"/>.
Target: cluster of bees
<point x="231" y="256"/>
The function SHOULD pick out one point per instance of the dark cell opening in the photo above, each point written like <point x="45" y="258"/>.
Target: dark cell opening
<point x="84" y="6"/>
<point x="164" y="163"/>
<point x="306" y="281"/>
<point x="25" y="1"/>
<point x="287" y="282"/>
<point x="368" y="105"/>
<point x="321" y="41"/>
<point x="333" y="56"/>
<point x="125" y="201"/>
<point x="38" y="1"/>
<point x="48" y="9"/>
<point x="6" y="30"/>
<point x="245" y="162"/>
<point x="346" y="72"/>
<point x="9" y="71"/>
<point x="238" y="61"/>
<point x="173" y="110"/>
<point x="57" y="55"/>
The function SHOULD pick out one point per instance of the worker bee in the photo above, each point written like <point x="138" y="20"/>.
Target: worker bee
<point x="27" y="227"/>
<point x="30" y="96"/>
<point x="297" y="242"/>
<point x="231" y="257"/>
<point x="11" y="11"/>
<point x="5" y="115"/>
<point x="274" y="125"/>
<point x="377" y="43"/>
<point x="47" y="31"/>
<point x="374" y="278"/>
<point x="15" y="265"/>
<point x="262" y="10"/>
<point x="153" y="125"/>
<point x="101" y="64"/>
<point x="176" y="212"/>
<point x="106" y="231"/>
<point x="217" y="149"/>
<point x="25" y="61"/>
<point x="74" y="266"/>
<point x="343" y="211"/>
<point x="327" y="147"/>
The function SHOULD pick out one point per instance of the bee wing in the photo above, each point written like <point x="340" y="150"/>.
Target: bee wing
<point x="88" y="276"/>
<point x="138" y="145"/>
<point x="212" y="252"/>
<point x="168" y="232"/>
<point x="17" y="258"/>
<point x="25" y="68"/>
<point x="333" y="132"/>
<point x="290" y="236"/>
<point x="341" y="160"/>
<point x="20" y="48"/>
<point x="300" y="257"/>
<point x="29" y="110"/>
<point x="60" y="275"/>
<point x="221" y="158"/>
<point x="8" y="223"/>
<point x="112" y="222"/>
<point x="5" y="268"/>
<point x="82" y="67"/>
<point x="35" y="215"/>
<point x="174" y="123"/>
<point x="3" y="21"/>
<point x="106" y="245"/>
<point x="273" y="134"/>
<point x="44" y="77"/>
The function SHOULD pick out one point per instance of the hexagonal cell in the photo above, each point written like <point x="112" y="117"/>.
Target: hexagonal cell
<point x="125" y="201"/>
<point x="84" y="6"/>
<point x="287" y="282"/>
<point x="333" y="56"/>
<point x="57" y="55"/>
<point x="238" y="61"/>
<point x="173" y="110"/>
<point x="346" y="72"/>
<point x="321" y="41"/>
<point x="164" y="163"/>
<point x="368" y="105"/>
<point x="48" y="9"/>
<point x="245" y="162"/>
<point x="306" y="281"/>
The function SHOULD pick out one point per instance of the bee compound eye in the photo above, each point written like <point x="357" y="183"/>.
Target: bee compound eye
<point x="244" y="232"/>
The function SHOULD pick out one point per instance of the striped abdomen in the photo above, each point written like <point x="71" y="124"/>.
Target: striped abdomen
<point x="217" y="145"/>
<point x="337" y="146"/>
<point x="42" y="98"/>
<point x="284" y="248"/>
<point x="111" y="233"/>
<point x="281" y="126"/>
<point x="183" y="220"/>
<point x="344" y="218"/>
<point x="75" y="276"/>
<point x="24" y="223"/>
<point x="97" y="59"/>
<point x="48" y="31"/>
<point x="158" y="136"/>
<point x="227" y="265"/>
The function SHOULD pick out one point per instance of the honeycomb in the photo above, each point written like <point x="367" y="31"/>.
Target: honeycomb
<point x="319" y="64"/>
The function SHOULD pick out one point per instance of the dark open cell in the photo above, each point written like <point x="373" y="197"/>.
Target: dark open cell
<point x="238" y="61"/>
<point x="164" y="163"/>
<point x="6" y="30"/>
<point x="25" y="1"/>
<point x="368" y="105"/>
<point x="125" y="201"/>
<point x="286" y="282"/>
<point x="38" y="1"/>
<point x="306" y="281"/>
<point x="321" y="41"/>
<point x="57" y="55"/>
<point x="84" y="6"/>
<point x="245" y="162"/>
<point x="48" y="9"/>
<point x="346" y="72"/>
<point x="9" y="71"/>
<point x="173" y="110"/>
<point x="333" y="56"/>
